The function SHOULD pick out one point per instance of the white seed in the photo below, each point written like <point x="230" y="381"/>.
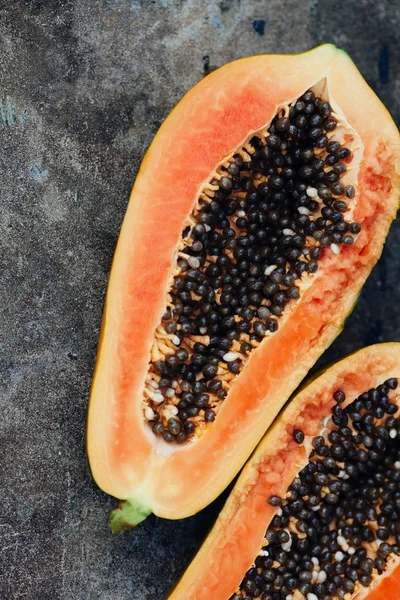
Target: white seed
<point x="393" y="433"/>
<point x="207" y="227"/>
<point x="339" y="556"/>
<point x="173" y="410"/>
<point x="342" y="474"/>
<point x="311" y="596"/>
<point x="154" y="384"/>
<point x="315" y="561"/>
<point x="303" y="210"/>
<point x="287" y="231"/>
<point x="263" y="553"/>
<point x="241" y="213"/>
<point x="314" y="576"/>
<point x="279" y="512"/>
<point x="176" y="340"/>
<point x="315" y="508"/>
<point x="170" y="393"/>
<point x="230" y="356"/>
<point x="286" y="547"/>
<point x="193" y="262"/>
<point x="269" y="269"/>
<point x="326" y="421"/>
<point x="203" y="330"/>
<point x="174" y="384"/>
<point x="158" y="398"/>
<point x="289" y="597"/>
<point x="312" y="192"/>
<point x="335" y="248"/>
<point x="148" y="378"/>
<point x="149" y="413"/>
<point x="351" y="550"/>
<point x="321" y="578"/>
<point x="397" y="464"/>
<point x="341" y="540"/>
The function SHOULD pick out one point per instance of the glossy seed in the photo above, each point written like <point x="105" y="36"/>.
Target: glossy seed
<point x="174" y="426"/>
<point x="348" y="240"/>
<point x="209" y="416"/>
<point x="274" y="500"/>
<point x="298" y="436"/>
<point x="225" y="183"/>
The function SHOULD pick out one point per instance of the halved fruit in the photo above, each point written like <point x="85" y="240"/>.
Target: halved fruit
<point x="315" y="512"/>
<point x="258" y="212"/>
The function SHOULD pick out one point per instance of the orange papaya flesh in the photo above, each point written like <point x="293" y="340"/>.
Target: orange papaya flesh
<point x="233" y="544"/>
<point x="213" y="120"/>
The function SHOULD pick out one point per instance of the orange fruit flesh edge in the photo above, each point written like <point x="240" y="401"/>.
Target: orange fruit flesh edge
<point x="212" y="120"/>
<point x="388" y="587"/>
<point x="233" y="543"/>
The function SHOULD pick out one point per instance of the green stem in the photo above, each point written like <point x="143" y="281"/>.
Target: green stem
<point x="129" y="514"/>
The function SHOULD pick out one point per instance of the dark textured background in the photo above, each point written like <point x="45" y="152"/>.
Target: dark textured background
<point x="84" y="86"/>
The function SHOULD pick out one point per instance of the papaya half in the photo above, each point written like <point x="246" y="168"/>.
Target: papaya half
<point x="315" y="512"/>
<point x="258" y="212"/>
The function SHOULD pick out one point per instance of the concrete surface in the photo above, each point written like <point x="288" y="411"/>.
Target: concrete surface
<point x="84" y="85"/>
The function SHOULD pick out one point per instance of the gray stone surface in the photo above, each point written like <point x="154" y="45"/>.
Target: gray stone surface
<point x="84" y="85"/>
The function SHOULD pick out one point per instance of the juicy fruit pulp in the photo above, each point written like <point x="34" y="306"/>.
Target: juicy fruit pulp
<point x="338" y="525"/>
<point x="212" y="124"/>
<point x="253" y="243"/>
<point x="316" y="517"/>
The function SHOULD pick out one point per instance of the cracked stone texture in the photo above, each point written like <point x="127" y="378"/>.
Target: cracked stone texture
<point x="84" y="86"/>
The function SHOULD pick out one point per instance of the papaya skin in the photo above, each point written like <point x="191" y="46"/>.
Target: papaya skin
<point x="233" y="543"/>
<point x="204" y="128"/>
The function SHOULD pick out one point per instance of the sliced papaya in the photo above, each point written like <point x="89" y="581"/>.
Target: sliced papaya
<point x="315" y="512"/>
<point x="257" y="214"/>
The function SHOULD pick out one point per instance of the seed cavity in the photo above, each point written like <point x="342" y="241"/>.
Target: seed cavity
<point x="250" y="246"/>
<point x="341" y="512"/>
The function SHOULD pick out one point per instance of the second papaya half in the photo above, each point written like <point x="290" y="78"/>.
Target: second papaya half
<point x="314" y="514"/>
<point x="258" y="212"/>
